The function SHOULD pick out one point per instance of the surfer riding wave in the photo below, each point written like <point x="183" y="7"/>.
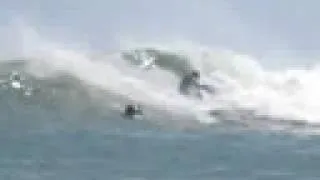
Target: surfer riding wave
<point x="190" y="85"/>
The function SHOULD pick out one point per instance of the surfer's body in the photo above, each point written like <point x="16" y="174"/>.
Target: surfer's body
<point x="132" y="110"/>
<point x="190" y="85"/>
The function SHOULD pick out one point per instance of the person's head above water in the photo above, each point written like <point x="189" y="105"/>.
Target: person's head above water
<point x="195" y="74"/>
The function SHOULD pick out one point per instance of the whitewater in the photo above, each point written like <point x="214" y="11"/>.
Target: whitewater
<point x="245" y="92"/>
<point x="63" y="119"/>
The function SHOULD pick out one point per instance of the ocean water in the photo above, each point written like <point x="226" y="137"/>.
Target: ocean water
<point x="67" y="129"/>
<point x="63" y="119"/>
<point x="140" y="153"/>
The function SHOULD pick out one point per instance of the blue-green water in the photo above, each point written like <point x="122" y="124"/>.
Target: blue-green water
<point x="65" y="130"/>
<point x="140" y="153"/>
<point x="57" y="144"/>
<point x="83" y="61"/>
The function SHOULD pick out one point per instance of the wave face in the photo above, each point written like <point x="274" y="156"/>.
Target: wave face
<point x="79" y="83"/>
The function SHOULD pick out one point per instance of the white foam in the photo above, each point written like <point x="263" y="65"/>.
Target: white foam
<point x="242" y="81"/>
<point x="16" y="85"/>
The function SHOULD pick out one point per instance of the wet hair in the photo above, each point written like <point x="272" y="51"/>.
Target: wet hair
<point x="195" y="73"/>
<point x="130" y="109"/>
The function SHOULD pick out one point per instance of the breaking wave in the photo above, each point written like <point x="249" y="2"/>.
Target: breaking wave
<point x="149" y="73"/>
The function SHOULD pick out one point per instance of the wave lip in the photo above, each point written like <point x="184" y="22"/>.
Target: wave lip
<point x="117" y="79"/>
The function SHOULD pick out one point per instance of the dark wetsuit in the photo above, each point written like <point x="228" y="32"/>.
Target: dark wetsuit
<point x="132" y="110"/>
<point x="129" y="110"/>
<point x="188" y="84"/>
